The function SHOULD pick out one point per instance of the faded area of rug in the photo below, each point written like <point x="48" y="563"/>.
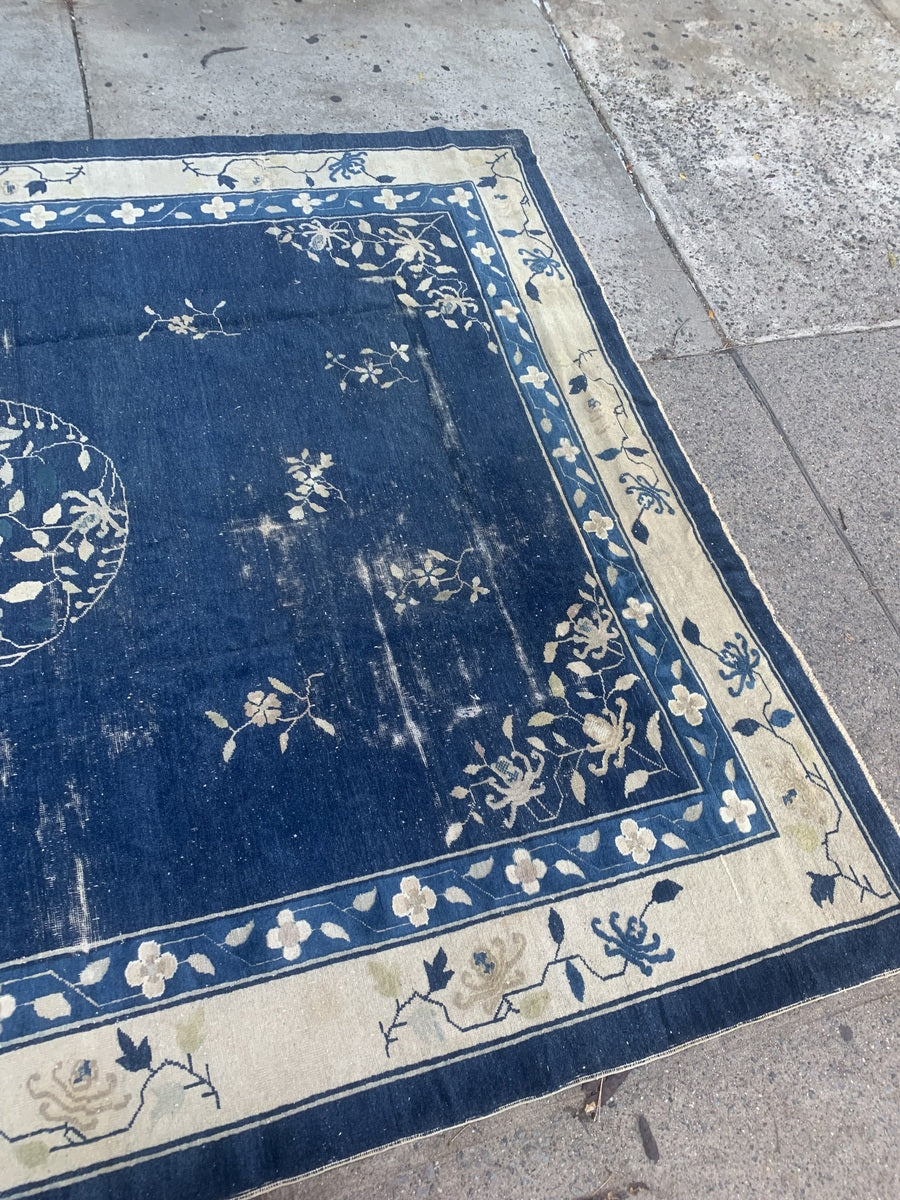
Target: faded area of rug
<point x="389" y="730"/>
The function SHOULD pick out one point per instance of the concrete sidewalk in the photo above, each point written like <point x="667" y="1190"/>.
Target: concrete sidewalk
<point x="735" y="180"/>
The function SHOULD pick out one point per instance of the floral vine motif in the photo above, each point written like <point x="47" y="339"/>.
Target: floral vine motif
<point x="62" y="546"/>
<point x="404" y="251"/>
<point x="376" y="367"/>
<point x="253" y="172"/>
<point x="19" y="179"/>
<point x="587" y="739"/>
<point x="539" y="257"/>
<point x="196" y="323"/>
<point x="80" y="1100"/>
<point x="309" y="481"/>
<point x="808" y="793"/>
<point x="266" y="709"/>
<point x="493" y="981"/>
<point x="630" y="445"/>
<point x="443" y="574"/>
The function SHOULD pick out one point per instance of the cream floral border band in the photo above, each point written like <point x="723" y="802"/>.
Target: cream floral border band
<point x="765" y="878"/>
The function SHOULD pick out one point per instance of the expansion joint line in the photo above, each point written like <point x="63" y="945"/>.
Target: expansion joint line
<point x="70" y="9"/>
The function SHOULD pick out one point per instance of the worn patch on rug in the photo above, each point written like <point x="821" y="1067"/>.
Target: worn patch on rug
<point x="390" y="730"/>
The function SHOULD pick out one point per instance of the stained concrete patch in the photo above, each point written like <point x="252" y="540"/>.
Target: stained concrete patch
<point x="42" y="91"/>
<point x="320" y="67"/>
<point x="766" y="134"/>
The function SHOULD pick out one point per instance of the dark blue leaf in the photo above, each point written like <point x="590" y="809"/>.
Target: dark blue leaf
<point x="437" y="973"/>
<point x="535" y="232"/>
<point x="532" y="292"/>
<point x="640" y="531"/>
<point x="637" y="451"/>
<point x="781" y="718"/>
<point x="36" y="186"/>
<point x="576" y="981"/>
<point x="609" y="455"/>
<point x="556" y="927"/>
<point x="690" y="632"/>
<point x="310" y="182"/>
<point x="577" y="384"/>
<point x="224" y="180"/>
<point x="385" y="178"/>
<point x="508" y="232"/>
<point x="822" y="888"/>
<point x="664" y="891"/>
<point x="133" y="1058"/>
<point x="488" y="181"/>
<point x="746" y="726"/>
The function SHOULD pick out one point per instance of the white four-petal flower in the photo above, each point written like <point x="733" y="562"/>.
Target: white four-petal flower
<point x="150" y="970"/>
<point x="535" y="377"/>
<point x="637" y="611"/>
<point x="127" y="213"/>
<point x="687" y="704"/>
<point x="635" y="841"/>
<point x="388" y="198"/>
<point x="305" y="203"/>
<point x="526" y="871"/>
<point x="218" y="207"/>
<point x="288" y="935"/>
<point x="413" y="901"/>
<point x="737" y="810"/>
<point x="597" y="523"/>
<point x="461" y="197"/>
<point x="483" y="253"/>
<point x="509" y="312"/>
<point x="38" y="216"/>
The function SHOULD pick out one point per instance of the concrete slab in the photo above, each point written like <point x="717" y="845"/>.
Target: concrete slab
<point x="320" y="66"/>
<point x="805" y="1105"/>
<point x="41" y="85"/>
<point x="766" y="135"/>
<point x="837" y="400"/>
<point x="816" y="591"/>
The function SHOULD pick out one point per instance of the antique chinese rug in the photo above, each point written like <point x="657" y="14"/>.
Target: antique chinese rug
<point x="390" y="731"/>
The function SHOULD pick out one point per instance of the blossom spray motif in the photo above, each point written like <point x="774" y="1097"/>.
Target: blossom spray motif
<point x="64" y="524"/>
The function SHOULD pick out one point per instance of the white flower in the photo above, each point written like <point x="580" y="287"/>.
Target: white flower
<point x="535" y="377"/>
<point x="687" y="704"/>
<point x="598" y="524"/>
<point x="402" y="352"/>
<point x="127" y="213"/>
<point x="38" y="216"/>
<point x="288" y="935"/>
<point x="526" y="871"/>
<point x="737" y="810"/>
<point x="150" y="970"/>
<point x="566" y="450"/>
<point x="262" y="709"/>
<point x="388" y="198"/>
<point x="305" y="203"/>
<point x="413" y="901"/>
<point x="509" y="312"/>
<point x="635" y="841"/>
<point x="483" y="253"/>
<point x="637" y="611"/>
<point x="182" y="324"/>
<point x="7" y="1005"/>
<point x="218" y="207"/>
<point x="461" y="197"/>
